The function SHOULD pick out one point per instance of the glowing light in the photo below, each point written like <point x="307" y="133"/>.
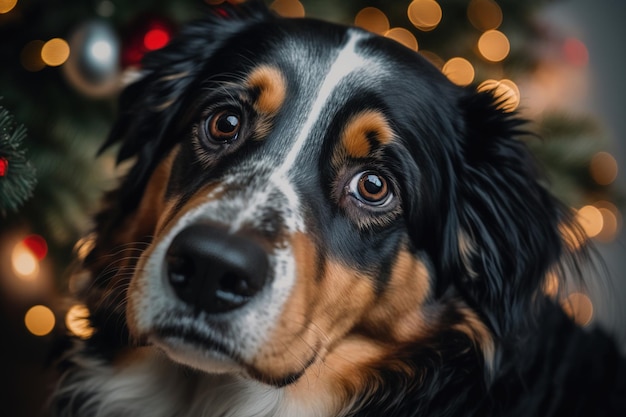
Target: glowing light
<point x="575" y="52"/>
<point x="424" y="14"/>
<point x="494" y="45"/>
<point x="402" y="36"/>
<point x="590" y="219"/>
<point x="372" y="19"/>
<point x="55" y="52"/>
<point x="101" y="51"/>
<point x="484" y="14"/>
<point x="156" y="39"/>
<point x="30" y="57"/>
<point x="434" y="59"/>
<point x="7" y="5"/>
<point x="288" y="8"/>
<point x="603" y="168"/>
<point x="579" y="307"/>
<point x="77" y="321"/>
<point x="39" y="320"/>
<point x="459" y="70"/>
<point x="551" y="285"/>
<point x="506" y="91"/>
<point x="612" y="221"/>
<point x="24" y="262"/>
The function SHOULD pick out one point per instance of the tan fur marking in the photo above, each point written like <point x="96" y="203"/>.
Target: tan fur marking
<point x="399" y="309"/>
<point x="270" y="83"/>
<point x="358" y="130"/>
<point x="477" y="331"/>
<point x="317" y="314"/>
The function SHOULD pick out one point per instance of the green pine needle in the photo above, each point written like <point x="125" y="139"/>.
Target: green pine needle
<point x="18" y="182"/>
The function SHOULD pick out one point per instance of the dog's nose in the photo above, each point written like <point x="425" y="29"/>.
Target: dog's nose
<point x="213" y="270"/>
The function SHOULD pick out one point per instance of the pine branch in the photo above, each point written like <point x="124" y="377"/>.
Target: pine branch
<point x="17" y="176"/>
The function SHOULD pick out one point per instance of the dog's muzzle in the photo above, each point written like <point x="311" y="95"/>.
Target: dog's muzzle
<point x="213" y="270"/>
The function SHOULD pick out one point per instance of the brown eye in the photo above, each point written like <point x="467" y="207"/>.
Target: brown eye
<point x="370" y="188"/>
<point x="222" y="127"/>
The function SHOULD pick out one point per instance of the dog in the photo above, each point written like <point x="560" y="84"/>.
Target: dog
<point x="318" y="223"/>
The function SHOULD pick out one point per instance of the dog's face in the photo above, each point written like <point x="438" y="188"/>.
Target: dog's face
<point x="311" y="199"/>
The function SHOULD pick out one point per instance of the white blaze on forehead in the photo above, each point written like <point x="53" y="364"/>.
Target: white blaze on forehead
<point x="347" y="62"/>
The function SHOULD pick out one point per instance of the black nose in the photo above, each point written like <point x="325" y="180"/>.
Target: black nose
<point x="213" y="270"/>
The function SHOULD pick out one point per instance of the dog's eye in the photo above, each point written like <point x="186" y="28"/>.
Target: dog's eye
<point x="370" y="188"/>
<point x="222" y="127"/>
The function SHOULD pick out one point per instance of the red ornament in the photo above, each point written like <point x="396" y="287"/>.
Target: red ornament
<point x="4" y="166"/>
<point x="37" y="245"/>
<point x="146" y="33"/>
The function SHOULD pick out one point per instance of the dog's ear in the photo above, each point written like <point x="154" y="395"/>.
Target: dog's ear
<point x="505" y="228"/>
<point x="149" y="106"/>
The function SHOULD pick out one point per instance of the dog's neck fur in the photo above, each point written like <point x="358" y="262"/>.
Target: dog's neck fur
<point x="150" y="385"/>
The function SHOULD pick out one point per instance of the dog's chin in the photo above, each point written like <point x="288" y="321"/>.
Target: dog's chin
<point x="193" y="355"/>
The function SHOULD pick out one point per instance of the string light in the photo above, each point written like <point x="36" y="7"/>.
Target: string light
<point x="372" y="19"/>
<point x="55" y="52"/>
<point x="459" y="70"/>
<point x="402" y="36"/>
<point x="494" y="45"/>
<point x="484" y="14"/>
<point x="575" y="52"/>
<point x="288" y="8"/>
<point x="579" y="307"/>
<point x="39" y="320"/>
<point x="25" y="264"/>
<point x="424" y="14"/>
<point x="155" y="39"/>
<point x="7" y="5"/>
<point x="591" y="220"/>
<point x="603" y="168"/>
<point x="77" y="321"/>
<point x="506" y="91"/>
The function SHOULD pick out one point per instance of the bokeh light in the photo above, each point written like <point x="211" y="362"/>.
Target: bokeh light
<point x="288" y="8"/>
<point x="37" y="245"/>
<point x="39" y="320"/>
<point x="402" y="36"/>
<point x="30" y="57"/>
<point x="506" y="91"/>
<point x="484" y="14"/>
<point x="372" y="19"/>
<point x="77" y="321"/>
<point x="55" y="52"/>
<point x="424" y="14"/>
<point x="7" y="5"/>
<point x="603" y="168"/>
<point x="24" y="262"/>
<point x="459" y="70"/>
<point x="434" y="59"/>
<point x="156" y="39"/>
<point x="591" y="220"/>
<point x="579" y="307"/>
<point x="494" y="45"/>
<point x="575" y="52"/>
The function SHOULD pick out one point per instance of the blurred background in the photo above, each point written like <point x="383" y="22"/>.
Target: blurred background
<point x="63" y="63"/>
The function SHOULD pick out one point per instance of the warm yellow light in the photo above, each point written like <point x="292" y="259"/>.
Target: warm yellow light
<point x="39" y="320"/>
<point x="506" y="92"/>
<point x="603" y="168"/>
<point x="288" y="8"/>
<point x="7" y="5"/>
<point x="590" y="219"/>
<point x="494" y="45"/>
<point x="484" y="14"/>
<point x="30" y="57"/>
<point x="403" y="36"/>
<point x="372" y="19"/>
<point x="579" y="307"/>
<point x="434" y="59"/>
<point x="610" y="226"/>
<point x="77" y="321"/>
<point x="551" y="285"/>
<point x="24" y="262"/>
<point x="424" y="14"/>
<point x="459" y="70"/>
<point x="55" y="52"/>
